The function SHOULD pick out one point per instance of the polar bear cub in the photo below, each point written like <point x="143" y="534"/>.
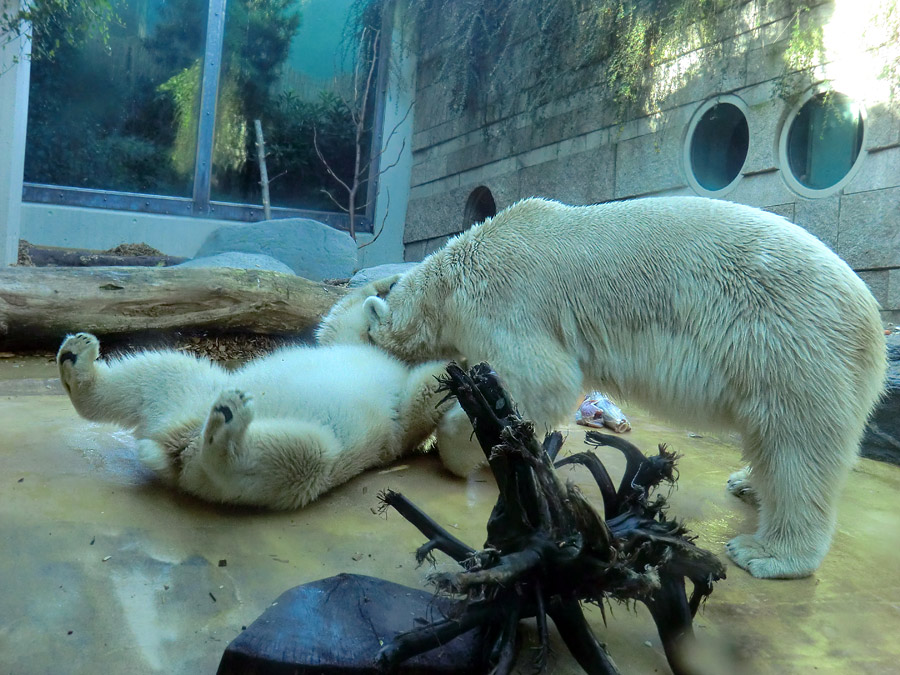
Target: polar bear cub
<point x="706" y="312"/>
<point x="276" y="433"/>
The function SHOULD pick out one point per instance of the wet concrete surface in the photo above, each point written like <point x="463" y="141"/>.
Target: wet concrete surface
<point x="104" y="570"/>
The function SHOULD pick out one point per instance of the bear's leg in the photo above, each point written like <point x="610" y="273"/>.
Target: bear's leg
<point x="457" y="447"/>
<point x="223" y="432"/>
<point x="276" y="463"/>
<point x="419" y="406"/>
<point x="287" y="463"/>
<point x="546" y="387"/>
<point x="797" y="481"/>
<point x="77" y="362"/>
<point x="136" y="391"/>
<point x="98" y="391"/>
<point x="422" y="412"/>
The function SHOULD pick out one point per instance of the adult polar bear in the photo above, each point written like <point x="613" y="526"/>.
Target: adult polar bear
<point x="703" y="311"/>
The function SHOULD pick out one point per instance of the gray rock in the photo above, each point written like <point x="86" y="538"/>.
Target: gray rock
<point x="311" y="249"/>
<point x="882" y="437"/>
<point x="370" y="274"/>
<point x="243" y="261"/>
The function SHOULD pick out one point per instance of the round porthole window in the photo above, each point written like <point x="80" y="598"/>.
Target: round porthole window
<point x="718" y="139"/>
<point x="822" y="143"/>
<point x="479" y="206"/>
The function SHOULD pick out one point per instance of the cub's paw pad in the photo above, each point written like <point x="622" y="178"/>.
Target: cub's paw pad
<point x="231" y="412"/>
<point x="740" y="485"/>
<point x="748" y="552"/>
<point x="80" y="349"/>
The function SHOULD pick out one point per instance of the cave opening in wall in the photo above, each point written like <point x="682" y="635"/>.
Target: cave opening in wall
<point x="822" y="143"/>
<point x="479" y="206"/>
<point x="718" y="142"/>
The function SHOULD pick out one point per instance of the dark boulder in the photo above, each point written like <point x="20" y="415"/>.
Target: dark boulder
<point x="882" y="437"/>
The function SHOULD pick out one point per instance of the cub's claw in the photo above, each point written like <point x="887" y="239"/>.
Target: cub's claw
<point x="741" y="486"/>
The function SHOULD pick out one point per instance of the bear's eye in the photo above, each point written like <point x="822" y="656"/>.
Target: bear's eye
<point x="392" y="286"/>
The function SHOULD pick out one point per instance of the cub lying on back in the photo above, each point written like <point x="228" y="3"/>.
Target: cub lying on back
<point x="276" y="433"/>
<point x="703" y="311"/>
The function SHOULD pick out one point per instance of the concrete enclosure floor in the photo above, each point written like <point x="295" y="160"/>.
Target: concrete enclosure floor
<point x="106" y="571"/>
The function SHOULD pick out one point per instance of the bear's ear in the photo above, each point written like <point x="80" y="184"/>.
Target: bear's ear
<point x="384" y="286"/>
<point x="375" y="309"/>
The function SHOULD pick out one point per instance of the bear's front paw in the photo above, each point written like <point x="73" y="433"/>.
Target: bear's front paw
<point x="229" y="417"/>
<point x="739" y="484"/>
<point x="76" y="357"/>
<point x="765" y="561"/>
<point x="78" y="349"/>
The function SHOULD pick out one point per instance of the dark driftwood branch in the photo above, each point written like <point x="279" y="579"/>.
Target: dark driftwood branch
<point x="38" y="306"/>
<point x="548" y="550"/>
<point x="438" y="537"/>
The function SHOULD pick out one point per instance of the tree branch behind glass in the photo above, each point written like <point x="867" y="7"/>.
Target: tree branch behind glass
<point x="360" y="104"/>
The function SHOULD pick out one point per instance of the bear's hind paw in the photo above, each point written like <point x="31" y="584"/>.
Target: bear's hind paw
<point x="750" y="553"/>
<point x="228" y="418"/>
<point x="76" y="357"/>
<point x="80" y="349"/>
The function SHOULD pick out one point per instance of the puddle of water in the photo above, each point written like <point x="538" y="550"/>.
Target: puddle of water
<point x="110" y="451"/>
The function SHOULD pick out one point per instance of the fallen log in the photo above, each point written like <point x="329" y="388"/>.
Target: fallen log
<point x="38" y="306"/>
<point x="54" y="256"/>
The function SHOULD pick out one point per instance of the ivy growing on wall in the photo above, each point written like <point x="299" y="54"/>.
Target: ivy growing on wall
<point x="623" y="45"/>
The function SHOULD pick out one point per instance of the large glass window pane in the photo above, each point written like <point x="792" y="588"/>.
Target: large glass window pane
<point x="824" y="140"/>
<point x="719" y="146"/>
<point x="290" y="65"/>
<point x="120" y="113"/>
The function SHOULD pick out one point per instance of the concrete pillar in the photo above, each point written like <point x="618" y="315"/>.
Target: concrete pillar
<point x="393" y="184"/>
<point x="15" y="69"/>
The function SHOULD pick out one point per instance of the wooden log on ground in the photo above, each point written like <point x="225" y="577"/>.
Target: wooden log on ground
<point x="53" y="256"/>
<point x="38" y="306"/>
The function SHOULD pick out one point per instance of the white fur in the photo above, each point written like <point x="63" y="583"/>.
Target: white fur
<point x="278" y="432"/>
<point x="704" y="311"/>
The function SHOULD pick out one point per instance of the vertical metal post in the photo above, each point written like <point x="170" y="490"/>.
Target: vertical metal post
<point x="381" y="84"/>
<point x="209" y="88"/>
<point x="15" y="69"/>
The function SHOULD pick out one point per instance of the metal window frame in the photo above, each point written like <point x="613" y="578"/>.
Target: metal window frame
<point x="200" y="205"/>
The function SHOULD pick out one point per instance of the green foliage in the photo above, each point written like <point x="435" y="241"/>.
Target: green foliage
<point x="888" y="18"/>
<point x="624" y="38"/>
<point x="805" y="49"/>
<point x="289" y="141"/>
<point x="58" y="23"/>
<point x="115" y="101"/>
<point x="258" y="36"/>
<point x="630" y="46"/>
<point x="184" y="89"/>
<point x="633" y="44"/>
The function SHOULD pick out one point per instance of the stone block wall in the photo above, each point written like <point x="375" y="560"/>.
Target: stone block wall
<point x="517" y="141"/>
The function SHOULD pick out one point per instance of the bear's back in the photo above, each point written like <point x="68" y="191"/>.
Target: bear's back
<point x="682" y="231"/>
<point x="653" y="255"/>
<point x="690" y="269"/>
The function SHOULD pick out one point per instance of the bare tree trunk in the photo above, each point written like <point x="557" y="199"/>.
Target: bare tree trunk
<point x="38" y="306"/>
<point x="263" y="169"/>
